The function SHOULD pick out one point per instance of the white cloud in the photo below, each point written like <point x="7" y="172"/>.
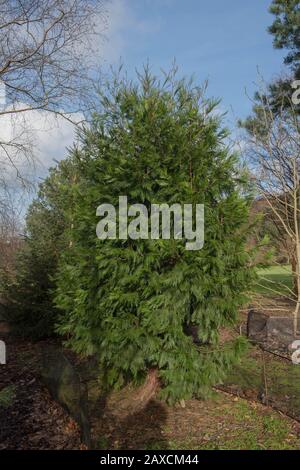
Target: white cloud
<point x="40" y="138"/>
<point x="53" y="135"/>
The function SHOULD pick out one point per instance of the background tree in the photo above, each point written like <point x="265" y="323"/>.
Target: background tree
<point x="9" y="233"/>
<point x="129" y="301"/>
<point x="274" y="157"/>
<point x="286" y="31"/>
<point x="49" y="51"/>
<point x="273" y="137"/>
<point x="26" y="290"/>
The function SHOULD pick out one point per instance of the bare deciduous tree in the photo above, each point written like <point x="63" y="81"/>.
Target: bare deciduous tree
<point x="46" y="51"/>
<point x="48" y="62"/>
<point x="274" y="151"/>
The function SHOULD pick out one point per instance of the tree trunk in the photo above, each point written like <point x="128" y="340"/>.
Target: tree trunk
<point x="133" y="401"/>
<point x="295" y="277"/>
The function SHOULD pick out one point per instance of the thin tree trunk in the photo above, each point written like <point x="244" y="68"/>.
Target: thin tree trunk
<point x="297" y="242"/>
<point x="295" y="277"/>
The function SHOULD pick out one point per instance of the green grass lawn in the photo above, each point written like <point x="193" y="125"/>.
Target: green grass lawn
<point x="278" y="278"/>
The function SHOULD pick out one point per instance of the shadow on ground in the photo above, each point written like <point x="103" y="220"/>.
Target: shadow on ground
<point x="141" y="430"/>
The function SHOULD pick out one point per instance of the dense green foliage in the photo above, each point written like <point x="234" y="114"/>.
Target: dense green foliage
<point x="28" y="295"/>
<point x="286" y="30"/>
<point x="129" y="301"/>
<point x="276" y="98"/>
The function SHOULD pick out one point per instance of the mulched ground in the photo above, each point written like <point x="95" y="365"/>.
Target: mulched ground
<point x="33" y="420"/>
<point x="223" y="422"/>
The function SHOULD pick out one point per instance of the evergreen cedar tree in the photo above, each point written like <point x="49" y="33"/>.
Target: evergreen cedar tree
<point x="129" y="302"/>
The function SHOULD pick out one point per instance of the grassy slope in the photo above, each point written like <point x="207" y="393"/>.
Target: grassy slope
<point x="278" y="278"/>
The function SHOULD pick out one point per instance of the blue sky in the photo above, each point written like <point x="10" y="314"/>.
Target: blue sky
<point x="224" y="41"/>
